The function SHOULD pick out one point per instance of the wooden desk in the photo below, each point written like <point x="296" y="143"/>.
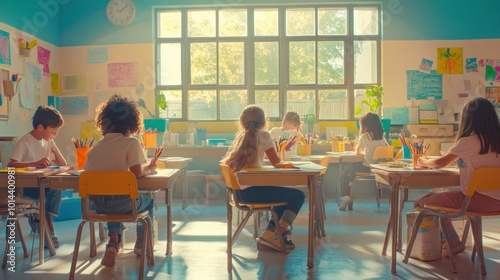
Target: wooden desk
<point x="344" y="158"/>
<point x="162" y="180"/>
<point x="397" y="177"/>
<point x="180" y="163"/>
<point x="34" y="179"/>
<point x="270" y="176"/>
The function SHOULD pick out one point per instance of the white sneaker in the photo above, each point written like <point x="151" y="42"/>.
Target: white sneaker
<point x="344" y="201"/>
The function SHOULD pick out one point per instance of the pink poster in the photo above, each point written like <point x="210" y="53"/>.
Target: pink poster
<point x="122" y="74"/>
<point x="44" y="59"/>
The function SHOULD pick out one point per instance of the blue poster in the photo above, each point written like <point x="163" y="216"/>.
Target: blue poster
<point x="422" y="85"/>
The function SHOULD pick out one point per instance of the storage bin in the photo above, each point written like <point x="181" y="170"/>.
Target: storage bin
<point x="70" y="209"/>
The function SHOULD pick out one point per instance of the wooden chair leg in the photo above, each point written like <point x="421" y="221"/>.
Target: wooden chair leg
<point x="229" y="217"/>
<point x="75" y="251"/>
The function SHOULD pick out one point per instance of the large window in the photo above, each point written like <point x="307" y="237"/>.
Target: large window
<point x="212" y="62"/>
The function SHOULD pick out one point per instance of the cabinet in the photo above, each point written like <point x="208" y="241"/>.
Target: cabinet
<point x="434" y="135"/>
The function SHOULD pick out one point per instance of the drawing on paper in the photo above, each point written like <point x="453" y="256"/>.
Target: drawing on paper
<point x="26" y="89"/>
<point x="471" y="65"/>
<point x="54" y="83"/>
<point x="44" y="59"/>
<point x="122" y="74"/>
<point x="5" y="57"/>
<point x="426" y="65"/>
<point x="422" y="86"/>
<point x="97" y="55"/>
<point x="33" y="71"/>
<point x="74" y="105"/>
<point x="492" y="70"/>
<point x="450" y="61"/>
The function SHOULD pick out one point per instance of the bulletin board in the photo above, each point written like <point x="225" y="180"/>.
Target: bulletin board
<point x="5" y="100"/>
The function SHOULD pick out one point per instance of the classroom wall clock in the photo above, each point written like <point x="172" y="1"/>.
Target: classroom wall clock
<point x="120" y="12"/>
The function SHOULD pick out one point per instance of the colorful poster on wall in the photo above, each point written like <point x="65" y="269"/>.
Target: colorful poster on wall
<point x="97" y="55"/>
<point x="450" y="61"/>
<point x="422" y="85"/>
<point x="74" y="105"/>
<point x="33" y="71"/>
<point x="471" y="65"/>
<point x="122" y="74"/>
<point x="5" y="57"/>
<point x="492" y="70"/>
<point x="426" y="65"/>
<point x="54" y="83"/>
<point x="44" y="59"/>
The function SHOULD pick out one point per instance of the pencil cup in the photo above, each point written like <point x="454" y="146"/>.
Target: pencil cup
<point x="286" y="155"/>
<point x="81" y="156"/>
<point x="341" y="146"/>
<point x="336" y="146"/>
<point x="304" y="150"/>
<point x="405" y="153"/>
<point x="150" y="140"/>
<point x="415" y="159"/>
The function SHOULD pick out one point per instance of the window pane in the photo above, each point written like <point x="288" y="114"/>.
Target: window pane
<point x="330" y="62"/>
<point x="170" y="64"/>
<point x="201" y="23"/>
<point x="232" y="23"/>
<point x="332" y="21"/>
<point x="174" y="104"/>
<point x="170" y="24"/>
<point x="359" y="96"/>
<point x="301" y="101"/>
<point x="365" y="62"/>
<point x="231" y="63"/>
<point x="302" y="63"/>
<point x="203" y="63"/>
<point x="332" y="104"/>
<point x="266" y="22"/>
<point x="366" y="21"/>
<point x="267" y="63"/>
<point x="300" y="22"/>
<point x="232" y="103"/>
<point x="268" y="100"/>
<point x="202" y="105"/>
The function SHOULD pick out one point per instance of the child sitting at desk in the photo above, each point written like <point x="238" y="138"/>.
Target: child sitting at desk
<point x="247" y="150"/>
<point x="119" y="119"/>
<point x="371" y="136"/>
<point x="37" y="148"/>
<point x="478" y="144"/>
<point x="290" y="126"/>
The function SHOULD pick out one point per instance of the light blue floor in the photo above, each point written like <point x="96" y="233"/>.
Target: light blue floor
<point x="351" y="250"/>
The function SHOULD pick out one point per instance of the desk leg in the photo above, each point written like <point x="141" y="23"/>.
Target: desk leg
<point x="41" y="227"/>
<point x="310" y="237"/>
<point x="184" y="188"/>
<point x="168" y="202"/>
<point x="52" y="249"/>
<point x="394" y="220"/>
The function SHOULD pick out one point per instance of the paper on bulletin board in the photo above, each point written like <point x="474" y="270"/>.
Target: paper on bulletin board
<point x="27" y="91"/>
<point x="74" y="105"/>
<point x="122" y="74"/>
<point x="74" y="83"/>
<point x="5" y="55"/>
<point x="422" y="86"/>
<point x="492" y="74"/>
<point x="44" y="59"/>
<point x="33" y="71"/>
<point x="54" y="84"/>
<point x="97" y="55"/>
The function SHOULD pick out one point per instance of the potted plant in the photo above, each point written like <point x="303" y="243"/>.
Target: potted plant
<point x="309" y="119"/>
<point x="154" y="122"/>
<point x="374" y="103"/>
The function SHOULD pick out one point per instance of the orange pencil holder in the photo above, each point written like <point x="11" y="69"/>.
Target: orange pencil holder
<point x="304" y="150"/>
<point x="81" y="156"/>
<point x="415" y="159"/>
<point x="150" y="140"/>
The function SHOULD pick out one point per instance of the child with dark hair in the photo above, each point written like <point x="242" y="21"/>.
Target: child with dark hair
<point x="119" y="119"/>
<point x="371" y="136"/>
<point x="478" y="145"/>
<point x="37" y="148"/>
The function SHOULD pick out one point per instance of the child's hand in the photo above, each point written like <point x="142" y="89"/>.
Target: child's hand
<point x="43" y="162"/>
<point x="152" y="166"/>
<point x="284" y="165"/>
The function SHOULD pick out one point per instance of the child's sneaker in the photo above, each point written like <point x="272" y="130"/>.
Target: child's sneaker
<point x="270" y="239"/>
<point x="288" y="243"/>
<point x="55" y="241"/>
<point x="110" y="255"/>
<point x="138" y="246"/>
<point x="344" y="201"/>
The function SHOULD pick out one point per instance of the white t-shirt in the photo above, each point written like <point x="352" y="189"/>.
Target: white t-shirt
<point x="277" y="133"/>
<point x="28" y="148"/>
<point x="115" y="152"/>
<point x="264" y="142"/>
<point x="369" y="145"/>
<point x="467" y="148"/>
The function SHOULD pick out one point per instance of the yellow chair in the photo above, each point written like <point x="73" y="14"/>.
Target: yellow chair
<point x="484" y="179"/>
<point x="381" y="153"/>
<point x="232" y="200"/>
<point x="111" y="183"/>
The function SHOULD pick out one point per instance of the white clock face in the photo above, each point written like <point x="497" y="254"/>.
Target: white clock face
<point x="120" y="12"/>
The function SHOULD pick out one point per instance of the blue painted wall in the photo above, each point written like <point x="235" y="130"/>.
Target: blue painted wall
<point x="83" y="22"/>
